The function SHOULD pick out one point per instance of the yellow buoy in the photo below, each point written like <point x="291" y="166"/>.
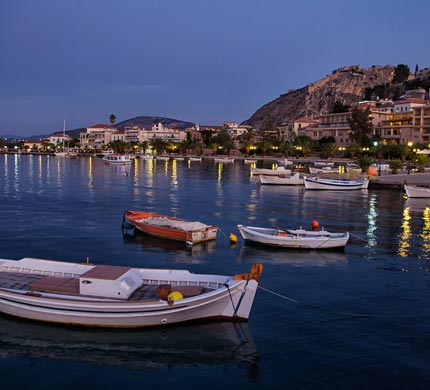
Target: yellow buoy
<point x="174" y="296"/>
<point x="233" y="238"/>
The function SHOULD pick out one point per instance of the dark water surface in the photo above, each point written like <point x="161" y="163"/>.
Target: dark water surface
<point x="324" y="320"/>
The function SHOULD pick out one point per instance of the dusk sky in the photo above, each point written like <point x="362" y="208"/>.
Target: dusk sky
<point x="195" y="60"/>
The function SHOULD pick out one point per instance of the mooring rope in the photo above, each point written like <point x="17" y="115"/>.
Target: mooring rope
<point x="219" y="229"/>
<point x="360" y="238"/>
<point x="315" y="306"/>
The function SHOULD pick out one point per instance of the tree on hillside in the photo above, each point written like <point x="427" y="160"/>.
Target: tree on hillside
<point x="361" y="125"/>
<point x="112" y="119"/>
<point x="339" y="107"/>
<point x="401" y="73"/>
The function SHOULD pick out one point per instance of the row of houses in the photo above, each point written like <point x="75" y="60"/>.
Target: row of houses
<point x="100" y="135"/>
<point x="403" y="121"/>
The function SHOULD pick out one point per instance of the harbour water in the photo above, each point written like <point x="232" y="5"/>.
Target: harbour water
<point x="351" y="319"/>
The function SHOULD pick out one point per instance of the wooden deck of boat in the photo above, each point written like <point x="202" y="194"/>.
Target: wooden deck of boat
<point x="70" y="286"/>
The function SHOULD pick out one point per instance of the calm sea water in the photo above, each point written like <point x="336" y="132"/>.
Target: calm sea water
<point x="324" y="320"/>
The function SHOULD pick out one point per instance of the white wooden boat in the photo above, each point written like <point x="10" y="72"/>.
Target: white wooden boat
<point x="266" y="171"/>
<point x="353" y="168"/>
<point x="413" y="191"/>
<point x="117" y="159"/>
<point x="250" y="160"/>
<point x="117" y="296"/>
<point x="285" y="162"/>
<point x="325" y="170"/>
<point x="224" y="159"/>
<point x="319" y="183"/>
<point x="162" y="158"/>
<point x="191" y="158"/>
<point x="293" y="179"/>
<point x="298" y="238"/>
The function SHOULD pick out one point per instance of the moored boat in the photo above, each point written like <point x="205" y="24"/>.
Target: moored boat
<point x="224" y="159"/>
<point x="343" y="184"/>
<point x="118" y="296"/>
<point x="117" y="159"/>
<point x="413" y="191"/>
<point x="293" y="238"/>
<point x="353" y="168"/>
<point x="293" y="179"/>
<point x="266" y="171"/>
<point x="325" y="170"/>
<point x="172" y="228"/>
<point x="162" y="158"/>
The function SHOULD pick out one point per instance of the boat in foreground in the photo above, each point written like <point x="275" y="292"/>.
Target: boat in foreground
<point x="320" y="183"/>
<point x="413" y="191"/>
<point x="293" y="179"/>
<point x="293" y="238"/>
<point x="117" y="296"/>
<point x="117" y="159"/>
<point x="172" y="228"/>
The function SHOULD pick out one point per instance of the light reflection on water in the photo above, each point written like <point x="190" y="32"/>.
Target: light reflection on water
<point x="372" y="223"/>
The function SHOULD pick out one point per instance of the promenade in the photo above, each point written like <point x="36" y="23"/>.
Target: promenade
<point x="398" y="180"/>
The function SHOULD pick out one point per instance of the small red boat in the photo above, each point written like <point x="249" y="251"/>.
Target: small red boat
<point x="171" y="228"/>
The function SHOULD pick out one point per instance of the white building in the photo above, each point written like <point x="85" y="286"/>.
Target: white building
<point x="59" y="138"/>
<point x="96" y="136"/>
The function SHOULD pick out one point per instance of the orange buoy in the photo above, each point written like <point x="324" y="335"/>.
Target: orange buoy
<point x="315" y="224"/>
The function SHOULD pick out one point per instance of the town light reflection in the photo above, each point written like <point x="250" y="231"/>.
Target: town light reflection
<point x="372" y="219"/>
<point x="425" y="234"/>
<point x="406" y="233"/>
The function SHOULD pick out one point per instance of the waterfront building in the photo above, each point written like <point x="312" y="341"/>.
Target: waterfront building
<point x="96" y="136"/>
<point x="59" y="139"/>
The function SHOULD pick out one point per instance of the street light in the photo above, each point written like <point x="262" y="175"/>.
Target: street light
<point x="375" y="144"/>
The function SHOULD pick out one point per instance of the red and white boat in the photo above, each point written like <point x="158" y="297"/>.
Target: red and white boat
<point x="172" y="228"/>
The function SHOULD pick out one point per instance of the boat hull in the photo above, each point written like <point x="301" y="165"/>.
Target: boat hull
<point x="307" y="240"/>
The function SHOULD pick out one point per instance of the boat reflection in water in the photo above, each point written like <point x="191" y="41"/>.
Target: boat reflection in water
<point x="206" y="344"/>
<point x="151" y="244"/>
<point x="297" y="258"/>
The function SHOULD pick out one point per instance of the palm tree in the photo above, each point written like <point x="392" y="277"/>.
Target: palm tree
<point x="112" y="119"/>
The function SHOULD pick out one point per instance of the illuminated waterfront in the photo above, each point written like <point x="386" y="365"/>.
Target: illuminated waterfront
<point x="352" y="319"/>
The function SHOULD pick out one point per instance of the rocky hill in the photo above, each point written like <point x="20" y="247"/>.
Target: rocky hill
<point x="346" y="85"/>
